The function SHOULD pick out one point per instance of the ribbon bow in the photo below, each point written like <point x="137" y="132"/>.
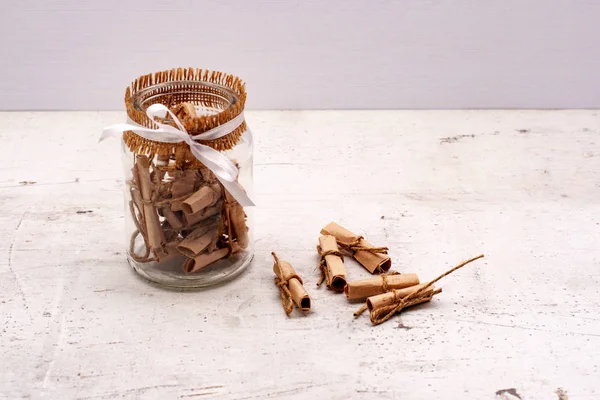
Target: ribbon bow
<point x="225" y="170"/>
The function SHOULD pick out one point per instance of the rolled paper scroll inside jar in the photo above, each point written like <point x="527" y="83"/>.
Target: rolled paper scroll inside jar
<point x="203" y="214"/>
<point x="200" y="238"/>
<point x="206" y="196"/>
<point x="156" y="238"/>
<point x="237" y="220"/>
<point x="203" y="260"/>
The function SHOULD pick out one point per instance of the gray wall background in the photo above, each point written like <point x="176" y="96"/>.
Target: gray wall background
<point x="309" y="54"/>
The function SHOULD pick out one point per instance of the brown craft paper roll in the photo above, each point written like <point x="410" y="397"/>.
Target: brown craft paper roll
<point x="204" y="197"/>
<point x="199" y="239"/>
<point x="287" y="273"/>
<point x="203" y="260"/>
<point x="174" y="221"/>
<point x="207" y="175"/>
<point x="335" y="276"/>
<point x="156" y="238"/>
<point x="183" y="183"/>
<point x="171" y="235"/>
<point x="237" y="219"/>
<point x="389" y="298"/>
<point x="191" y="219"/>
<point x="184" y="110"/>
<point x="170" y="251"/>
<point x="136" y="197"/>
<point x="373" y="262"/>
<point x="363" y="288"/>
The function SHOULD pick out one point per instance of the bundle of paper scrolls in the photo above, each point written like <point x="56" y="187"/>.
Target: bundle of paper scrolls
<point x="385" y="295"/>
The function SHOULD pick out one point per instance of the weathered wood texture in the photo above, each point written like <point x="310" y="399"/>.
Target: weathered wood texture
<point x="436" y="187"/>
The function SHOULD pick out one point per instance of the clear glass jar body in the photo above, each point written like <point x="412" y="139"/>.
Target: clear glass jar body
<point x="192" y="247"/>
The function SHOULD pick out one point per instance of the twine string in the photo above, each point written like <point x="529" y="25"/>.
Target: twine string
<point x="356" y="245"/>
<point x="139" y="224"/>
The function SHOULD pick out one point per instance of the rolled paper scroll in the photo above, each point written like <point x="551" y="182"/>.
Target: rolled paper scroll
<point x="171" y="235"/>
<point x="206" y="196"/>
<point x="291" y="286"/>
<point x="184" y="183"/>
<point x="172" y="218"/>
<point x="136" y="197"/>
<point x="162" y="193"/>
<point x="332" y="263"/>
<point x="191" y="219"/>
<point x="363" y="288"/>
<point x="237" y="220"/>
<point x="203" y="260"/>
<point x="207" y="174"/>
<point x="170" y="251"/>
<point x="374" y="259"/>
<point x="199" y="239"/>
<point x="184" y="110"/>
<point x="156" y="238"/>
<point x="380" y="312"/>
<point x="396" y="295"/>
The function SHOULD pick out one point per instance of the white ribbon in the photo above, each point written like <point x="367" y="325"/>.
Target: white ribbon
<point x="225" y="170"/>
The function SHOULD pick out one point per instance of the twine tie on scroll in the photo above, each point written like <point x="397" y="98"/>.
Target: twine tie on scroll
<point x="282" y="284"/>
<point x="223" y="168"/>
<point x="355" y="246"/>
<point x="380" y="315"/>
<point x="384" y="287"/>
<point x="323" y="264"/>
<point x="384" y="282"/>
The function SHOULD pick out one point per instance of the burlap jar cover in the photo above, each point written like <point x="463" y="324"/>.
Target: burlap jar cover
<point x="184" y="196"/>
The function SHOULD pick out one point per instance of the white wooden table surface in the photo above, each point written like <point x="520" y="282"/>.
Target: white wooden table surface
<point x="437" y="187"/>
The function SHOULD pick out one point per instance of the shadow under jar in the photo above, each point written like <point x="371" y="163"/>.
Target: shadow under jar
<point x="184" y="229"/>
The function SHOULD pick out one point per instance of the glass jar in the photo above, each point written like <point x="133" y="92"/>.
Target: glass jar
<point x="183" y="227"/>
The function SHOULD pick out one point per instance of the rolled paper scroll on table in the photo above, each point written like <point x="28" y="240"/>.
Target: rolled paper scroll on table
<point x="290" y="286"/>
<point x="384" y="306"/>
<point x="396" y="295"/>
<point x="374" y="259"/>
<point x="363" y="288"/>
<point x="332" y="263"/>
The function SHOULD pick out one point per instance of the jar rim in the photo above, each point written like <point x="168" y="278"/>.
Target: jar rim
<point x="216" y="90"/>
<point x="221" y="88"/>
